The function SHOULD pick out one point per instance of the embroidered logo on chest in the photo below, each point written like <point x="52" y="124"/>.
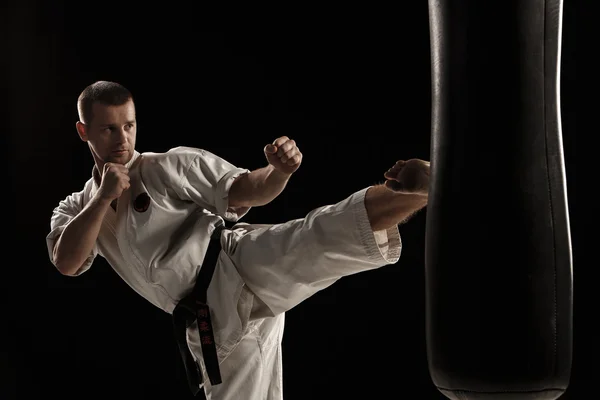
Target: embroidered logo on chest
<point x="141" y="202"/>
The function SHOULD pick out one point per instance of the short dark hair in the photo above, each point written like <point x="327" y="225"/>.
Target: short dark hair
<point x="105" y="92"/>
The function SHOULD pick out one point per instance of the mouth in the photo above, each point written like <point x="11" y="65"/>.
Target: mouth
<point x="119" y="152"/>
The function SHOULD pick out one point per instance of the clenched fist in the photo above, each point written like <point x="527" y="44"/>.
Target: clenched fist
<point x="115" y="179"/>
<point x="284" y="155"/>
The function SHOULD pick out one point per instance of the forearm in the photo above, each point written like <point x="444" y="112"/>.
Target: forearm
<point x="77" y="240"/>
<point x="262" y="186"/>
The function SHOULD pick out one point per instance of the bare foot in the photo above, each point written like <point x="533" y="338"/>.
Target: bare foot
<point x="409" y="177"/>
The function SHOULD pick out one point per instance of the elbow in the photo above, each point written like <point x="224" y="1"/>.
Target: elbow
<point x="65" y="267"/>
<point x="233" y="202"/>
<point x="241" y="191"/>
<point x="68" y="272"/>
<point x="61" y="260"/>
<point x="240" y="203"/>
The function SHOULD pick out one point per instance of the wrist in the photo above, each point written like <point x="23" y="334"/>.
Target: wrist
<point x="101" y="201"/>
<point x="275" y="173"/>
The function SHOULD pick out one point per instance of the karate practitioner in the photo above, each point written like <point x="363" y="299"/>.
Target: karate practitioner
<point x="152" y="215"/>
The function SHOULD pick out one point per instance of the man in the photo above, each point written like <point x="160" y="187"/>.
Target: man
<point x="151" y="216"/>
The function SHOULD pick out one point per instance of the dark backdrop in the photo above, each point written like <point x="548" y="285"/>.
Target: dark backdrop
<point x="351" y="84"/>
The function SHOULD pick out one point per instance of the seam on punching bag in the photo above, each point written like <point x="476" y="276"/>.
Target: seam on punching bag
<point x="548" y="172"/>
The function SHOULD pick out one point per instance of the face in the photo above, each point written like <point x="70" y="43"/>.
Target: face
<point x="111" y="133"/>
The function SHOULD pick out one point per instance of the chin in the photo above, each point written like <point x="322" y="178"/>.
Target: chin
<point x="124" y="159"/>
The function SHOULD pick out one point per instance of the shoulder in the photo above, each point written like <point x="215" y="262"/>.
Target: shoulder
<point x="175" y="157"/>
<point x="76" y="200"/>
<point x="180" y="158"/>
<point x="170" y="166"/>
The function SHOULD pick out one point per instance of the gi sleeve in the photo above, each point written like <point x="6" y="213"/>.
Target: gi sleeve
<point x="207" y="180"/>
<point x="66" y="210"/>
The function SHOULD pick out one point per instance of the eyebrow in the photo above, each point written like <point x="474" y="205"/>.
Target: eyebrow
<point x="112" y="125"/>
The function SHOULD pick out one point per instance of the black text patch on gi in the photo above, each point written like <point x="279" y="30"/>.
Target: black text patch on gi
<point x="141" y="202"/>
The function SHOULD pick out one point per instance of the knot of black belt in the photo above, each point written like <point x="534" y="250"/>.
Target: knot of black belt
<point x="192" y="308"/>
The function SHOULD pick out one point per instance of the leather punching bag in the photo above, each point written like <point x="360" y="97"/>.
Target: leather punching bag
<point x="499" y="282"/>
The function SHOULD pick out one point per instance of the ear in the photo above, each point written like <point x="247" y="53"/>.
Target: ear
<point x="82" y="130"/>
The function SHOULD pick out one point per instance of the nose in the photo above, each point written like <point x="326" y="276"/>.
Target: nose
<point x="121" y="135"/>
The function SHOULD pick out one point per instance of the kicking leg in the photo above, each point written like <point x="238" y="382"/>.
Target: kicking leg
<point x="284" y="264"/>
<point x="404" y="193"/>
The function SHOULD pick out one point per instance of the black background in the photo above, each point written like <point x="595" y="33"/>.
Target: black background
<point x="351" y="84"/>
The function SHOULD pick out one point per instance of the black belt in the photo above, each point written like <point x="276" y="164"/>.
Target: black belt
<point x="192" y="308"/>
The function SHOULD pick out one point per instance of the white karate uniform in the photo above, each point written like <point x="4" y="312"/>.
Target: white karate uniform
<point x="263" y="270"/>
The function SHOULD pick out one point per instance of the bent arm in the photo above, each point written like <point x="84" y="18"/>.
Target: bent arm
<point x="257" y="188"/>
<point x="79" y="236"/>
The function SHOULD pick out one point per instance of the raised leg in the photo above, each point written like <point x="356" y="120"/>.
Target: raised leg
<point x="403" y="194"/>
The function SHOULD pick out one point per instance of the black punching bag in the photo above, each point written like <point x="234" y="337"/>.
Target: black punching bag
<point x="499" y="282"/>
